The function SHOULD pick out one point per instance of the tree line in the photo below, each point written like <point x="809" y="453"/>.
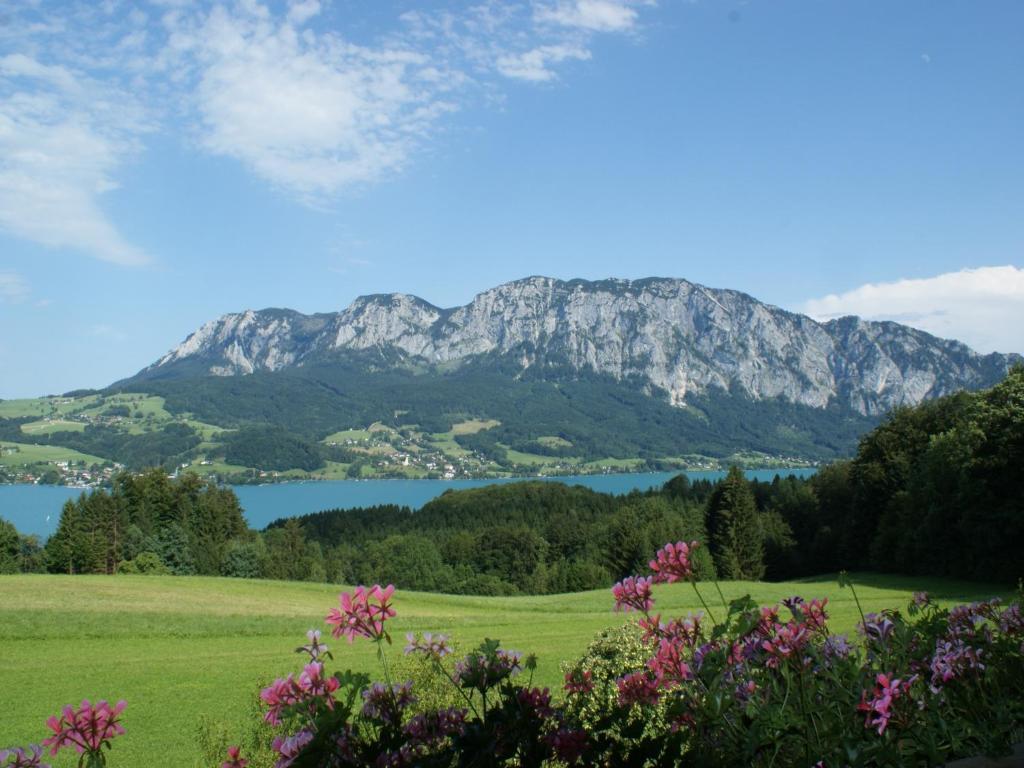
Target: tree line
<point x="935" y="490"/>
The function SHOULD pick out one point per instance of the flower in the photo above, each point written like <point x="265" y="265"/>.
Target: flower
<point x="579" y="682"/>
<point x="22" y="758"/>
<point x="362" y="613"/>
<point x="568" y="745"/>
<point x="314" y="647"/>
<point x="952" y="659"/>
<point x="289" y="748"/>
<point x="536" y="702"/>
<point x="235" y="760"/>
<point x="86" y="728"/>
<point x="434" y="727"/>
<point x="837" y="647"/>
<point x="668" y="664"/>
<point x="433" y="646"/>
<point x="310" y="686"/>
<point x="672" y="562"/>
<point x="633" y="594"/>
<point x="879" y="708"/>
<point x="878" y="627"/>
<point x="481" y="671"/>
<point x="386" y="704"/>
<point x="637" y="688"/>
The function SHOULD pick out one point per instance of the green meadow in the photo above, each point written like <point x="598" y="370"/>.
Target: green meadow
<point x="180" y="648"/>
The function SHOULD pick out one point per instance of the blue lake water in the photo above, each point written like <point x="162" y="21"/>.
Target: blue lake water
<point x="36" y="508"/>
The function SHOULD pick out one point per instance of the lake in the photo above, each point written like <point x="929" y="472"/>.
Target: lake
<point x="36" y="508"/>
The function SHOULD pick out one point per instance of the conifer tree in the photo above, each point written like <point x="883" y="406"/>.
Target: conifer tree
<point x="737" y="538"/>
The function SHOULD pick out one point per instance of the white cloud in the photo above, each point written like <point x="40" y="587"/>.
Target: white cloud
<point x="12" y="287"/>
<point x="534" y="66"/>
<point x="62" y="137"/>
<point x="591" y="15"/>
<point x="279" y="87"/>
<point x="982" y="307"/>
<point x="308" y="112"/>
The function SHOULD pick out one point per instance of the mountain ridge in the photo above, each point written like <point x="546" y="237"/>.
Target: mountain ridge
<point x="678" y="336"/>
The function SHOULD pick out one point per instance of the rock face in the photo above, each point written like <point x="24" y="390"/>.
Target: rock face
<point x="679" y="336"/>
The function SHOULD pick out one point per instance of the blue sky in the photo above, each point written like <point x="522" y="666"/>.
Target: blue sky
<point x="163" y="163"/>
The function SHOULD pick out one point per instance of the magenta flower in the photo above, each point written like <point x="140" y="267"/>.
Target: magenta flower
<point x="386" y="704"/>
<point x="637" y="688"/>
<point x="633" y="594"/>
<point x="568" y="745"/>
<point x="668" y="664"/>
<point x="579" y="682"/>
<point x="290" y="748"/>
<point x="879" y="708"/>
<point x="362" y="613"/>
<point x="23" y="758"/>
<point x="672" y="562"/>
<point x="432" y="728"/>
<point x="88" y="728"/>
<point x="310" y="687"/>
<point x="235" y="759"/>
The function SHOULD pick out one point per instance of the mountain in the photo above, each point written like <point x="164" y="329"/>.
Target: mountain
<point x="671" y="339"/>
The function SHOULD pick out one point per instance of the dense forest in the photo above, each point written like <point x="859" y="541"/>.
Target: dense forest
<point x="599" y="415"/>
<point x="935" y="490"/>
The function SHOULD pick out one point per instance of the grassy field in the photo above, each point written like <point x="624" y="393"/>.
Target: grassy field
<point x="31" y="454"/>
<point x="181" y="648"/>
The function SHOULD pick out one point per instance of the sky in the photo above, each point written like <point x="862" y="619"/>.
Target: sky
<point x="165" y="162"/>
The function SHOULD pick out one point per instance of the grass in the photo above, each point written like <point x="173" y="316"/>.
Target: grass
<point x="181" y="648"/>
<point x="48" y="427"/>
<point x="347" y="434"/>
<point x="33" y="454"/>
<point x="472" y="426"/>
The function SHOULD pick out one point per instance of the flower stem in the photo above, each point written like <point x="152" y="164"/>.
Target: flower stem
<point x="714" y="621"/>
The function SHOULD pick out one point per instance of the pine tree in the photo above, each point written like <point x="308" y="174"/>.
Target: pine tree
<point x="734" y="526"/>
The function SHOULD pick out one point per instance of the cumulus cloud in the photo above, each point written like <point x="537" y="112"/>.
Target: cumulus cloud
<point x="984" y="307"/>
<point x="12" y="287"/>
<point x="62" y="138"/>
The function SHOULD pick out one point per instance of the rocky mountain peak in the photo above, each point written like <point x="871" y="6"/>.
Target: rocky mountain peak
<point x="678" y="337"/>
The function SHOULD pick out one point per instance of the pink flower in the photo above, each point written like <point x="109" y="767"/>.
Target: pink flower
<point x="879" y="708"/>
<point x="668" y="664"/>
<point x="235" y="760"/>
<point x="22" y="758"/>
<point x="290" y="748"/>
<point x="579" y="682"/>
<point x="86" y="729"/>
<point x="672" y="562"/>
<point x="310" y="686"/>
<point x="637" y="688"/>
<point x="568" y="745"/>
<point x="362" y="613"/>
<point x="633" y="594"/>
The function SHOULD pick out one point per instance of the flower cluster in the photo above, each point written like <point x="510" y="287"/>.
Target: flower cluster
<point x="633" y="594"/>
<point x="387" y="703"/>
<point x="672" y="562"/>
<point x="480" y="671"/>
<point x="310" y="687"/>
<point x="32" y="757"/>
<point x="362" y="613"/>
<point x="235" y="759"/>
<point x="430" y="645"/>
<point x="87" y="729"/>
<point x="879" y="708"/>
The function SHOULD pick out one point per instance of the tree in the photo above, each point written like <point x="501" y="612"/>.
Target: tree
<point x="737" y="537"/>
<point x="10" y="548"/>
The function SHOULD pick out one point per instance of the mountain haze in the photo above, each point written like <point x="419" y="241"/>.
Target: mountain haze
<point x="676" y="339"/>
